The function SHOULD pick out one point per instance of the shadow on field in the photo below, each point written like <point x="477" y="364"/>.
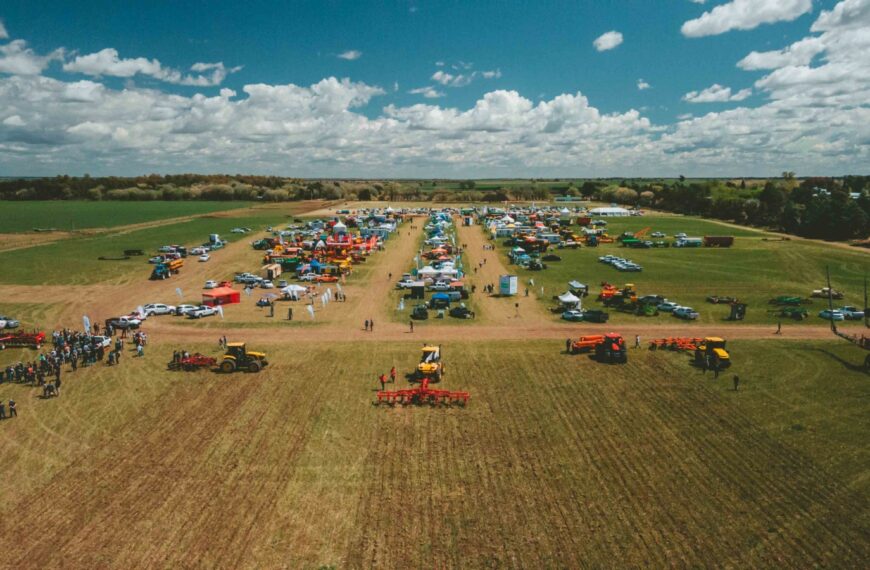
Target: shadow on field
<point x="845" y="363"/>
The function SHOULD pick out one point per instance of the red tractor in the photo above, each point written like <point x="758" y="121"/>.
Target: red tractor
<point x="612" y="350"/>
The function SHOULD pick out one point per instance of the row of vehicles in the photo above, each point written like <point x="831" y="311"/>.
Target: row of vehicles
<point x="847" y="313"/>
<point x="620" y="263"/>
<point x="8" y="323"/>
<point x="135" y="319"/>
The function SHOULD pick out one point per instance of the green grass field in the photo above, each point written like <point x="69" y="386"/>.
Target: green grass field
<point x="75" y="261"/>
<point x="557" y="461"/>
<point x="78" y="215"/>
<point x="753" y="270"/>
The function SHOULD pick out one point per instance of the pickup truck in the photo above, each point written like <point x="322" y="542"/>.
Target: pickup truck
<point x="158" y="309"/>
<point x="202" y="311"/>
<point x="124" y="323"/>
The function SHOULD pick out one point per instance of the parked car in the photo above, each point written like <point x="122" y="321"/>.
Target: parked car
<point x="572" y="315"/>
<point x="651" y="299"/>
<point x="327" y="279"/>
<point x="595" y="316"/>
<point x="124" y="322"/>
<point x="721" y="299"/>
<point x="657" y="234"/>
<point x="309" y="277"/>
<point x="668" y="307"/>
<point x="686" y="313"/>
<point x="834" y="315"/>
<point x="210" y="284"/>
<point x="199" y="250"/>
<point x="185" y="309"/>
<point x="103" y="341"/>
<point x="851" y="313"/>
<point x="158" y="309"/>
<point x="204" y="257"/>
<point x="405" y="284"/>
<point x="681" y="235"/>
<point x="283" y="283"/>
<point x="166" y="249"/>
<point x="267" y="285"/>
<point x="202" y="311"/>
<point x="9" y="323"/>
<point x="440" y="286"/>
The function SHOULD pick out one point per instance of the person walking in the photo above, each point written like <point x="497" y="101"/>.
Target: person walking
<point x="411" y="324"/>
<point x="637" y="341"/>
<point x="371" y="325"/>
<point x="383" y="380"/>
<point x="140" y="351"/>
<point x="568" y="346"/>
<point x="13" y="411"/>
<point x="393" y="375"/>
<point x="736" y="382"/>
<point x="778" y="327"/>
<point x="290" y="314"/>
<point x="367" y="324"/>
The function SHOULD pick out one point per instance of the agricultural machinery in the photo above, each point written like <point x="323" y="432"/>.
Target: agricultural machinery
<point x="861" y="341"/>
<point x="22" y="339"/>
<point x="193" y="362"/>
<point x="710" y="350"/>
<point x="608" y="347"/>
<point x="431" y="365"/>
<point x="238" y="357"/>
<point x="422" y="394"/>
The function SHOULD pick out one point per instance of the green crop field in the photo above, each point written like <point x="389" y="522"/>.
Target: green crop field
<point x="753" y="270"/>
<point x="75" y="261"/>
<point x="557" y="461"/>
<point x="76" y="215"/>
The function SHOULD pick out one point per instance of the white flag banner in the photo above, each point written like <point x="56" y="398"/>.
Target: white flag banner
<point x="179" y="293"/>
<point x="220" y="311"/>
<point x="247" y="291"/>
<point x="141" y="310"/>
<point x="402" y="304"/>
<point x="338" y="286"/>
<point x="86" y="322"/>
<point x="311" y="311"/>
<point x="329" y="292"/>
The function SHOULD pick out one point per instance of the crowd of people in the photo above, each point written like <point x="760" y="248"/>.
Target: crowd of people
<point x="67" y="347"/>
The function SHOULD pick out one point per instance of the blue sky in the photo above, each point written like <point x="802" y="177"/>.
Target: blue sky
<point x="534" y="52"/>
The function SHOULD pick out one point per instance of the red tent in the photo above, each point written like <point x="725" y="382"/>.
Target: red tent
<point x="220" y="296"/>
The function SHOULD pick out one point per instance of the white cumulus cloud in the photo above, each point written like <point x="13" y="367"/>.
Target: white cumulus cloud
<point x="18" y="59"/>
<point x="716" y="94"/>
<point x="642" y="85"/>
<point x="107" y="62"/>
<point x="350" y="55"/>
<point x="607" y="40"/>
<point x="428" y="92"/>
<point x="744" y="15"/>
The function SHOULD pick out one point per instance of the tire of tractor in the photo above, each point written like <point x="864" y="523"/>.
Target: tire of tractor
<point x="254" y="367"/>
<point x="228" y="366"/>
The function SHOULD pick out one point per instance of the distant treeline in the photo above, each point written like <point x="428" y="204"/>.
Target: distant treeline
<point x="826" y="208"/>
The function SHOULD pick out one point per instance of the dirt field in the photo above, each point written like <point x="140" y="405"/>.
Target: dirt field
<point x="558" y="461"/>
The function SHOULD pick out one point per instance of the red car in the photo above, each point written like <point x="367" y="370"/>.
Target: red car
<point x="327" y="279"/>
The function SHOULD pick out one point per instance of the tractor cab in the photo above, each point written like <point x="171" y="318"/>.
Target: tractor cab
<point x="612" y="349"/>
<point x="238" y="357"/>
<point x="430" y="365"/>
<point x="713" y="350"/>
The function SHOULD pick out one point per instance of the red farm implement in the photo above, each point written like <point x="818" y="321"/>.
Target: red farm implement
<point x="676" y="343"/>
<point x="421" y="395"/>
<point x="22" y="339"/>
<point x="193" y="362"/>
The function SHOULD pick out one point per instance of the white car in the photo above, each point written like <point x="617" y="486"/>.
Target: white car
<point x="440" y="286"/>
<point x="210" y="284"/>
<point x="204" y="257"/>
<point x="687" y="313"/>
<point x="8" y="322"/>
<point x="199" y="250"/>
<point x="405" y="284"/>
<point x="658" y="234"/>
<point x="680" y="235"/>
<point x="202" y="311"/>
<point x="158" y="309"/>
<point x="185" y="309"/>
<point x="309" y="277"/>
<point x="166" y="249"/>
<point x="103" y="341"/>
<point x="267" y="285"/>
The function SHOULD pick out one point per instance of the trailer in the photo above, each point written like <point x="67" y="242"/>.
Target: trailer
<point x="22" y="339"/>
<point x="718" y="241"/>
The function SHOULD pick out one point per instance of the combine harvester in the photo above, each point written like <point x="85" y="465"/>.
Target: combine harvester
<point x="22" y="339"/>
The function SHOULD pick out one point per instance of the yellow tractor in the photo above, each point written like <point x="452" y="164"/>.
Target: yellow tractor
<point x="238" y="357"/>
<point x="712" y="350"/>
<point x="430" y="365"/>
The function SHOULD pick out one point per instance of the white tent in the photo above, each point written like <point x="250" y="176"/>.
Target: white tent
<point x="507" y="220"/>
<point x="339" y="228"/>
<point x="293" y="291"/>
<point x="609" y="211"/>
<point x="569" y="300"/>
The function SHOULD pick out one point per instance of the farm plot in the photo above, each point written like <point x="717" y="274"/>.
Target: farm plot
<point x="75" y="261"/>
<point x="71" y="215"/>
<point x="753" y="270"/>
<point x="556" y="461"/>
